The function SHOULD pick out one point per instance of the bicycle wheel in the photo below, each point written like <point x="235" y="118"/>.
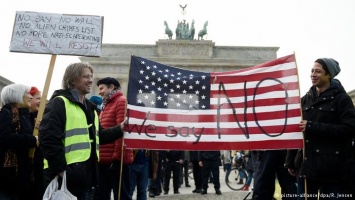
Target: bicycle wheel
<point x="236" y="179"/>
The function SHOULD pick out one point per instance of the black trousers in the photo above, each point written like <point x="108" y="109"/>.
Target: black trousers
<point x="208" y="167"/>
<point x="268" y="165"/>
<point x="197" y="173"/>
<point x="172" y="166"/>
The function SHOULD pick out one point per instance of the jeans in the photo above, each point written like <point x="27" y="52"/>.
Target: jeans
<point x="139" y="174"/>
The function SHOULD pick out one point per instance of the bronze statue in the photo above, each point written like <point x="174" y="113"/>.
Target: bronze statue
<point x="168" y="31"/>
<point x="203" y="32"/>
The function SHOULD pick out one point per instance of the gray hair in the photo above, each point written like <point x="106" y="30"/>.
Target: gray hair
<point x="14" y="93"/>
<point x="72" y="73"/>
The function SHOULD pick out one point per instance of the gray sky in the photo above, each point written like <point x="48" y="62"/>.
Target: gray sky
<point x="310" y="28"/>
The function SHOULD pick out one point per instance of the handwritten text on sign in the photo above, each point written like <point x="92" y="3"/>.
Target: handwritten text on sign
<point x="50" y="33"/>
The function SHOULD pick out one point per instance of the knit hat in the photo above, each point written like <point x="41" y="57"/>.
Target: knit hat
<point x="332" y="66"/>
<point x="33" y="90"/>
<point x="96" y="100"/>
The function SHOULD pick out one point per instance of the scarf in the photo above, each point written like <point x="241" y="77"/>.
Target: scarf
<point x="104" y="102"/>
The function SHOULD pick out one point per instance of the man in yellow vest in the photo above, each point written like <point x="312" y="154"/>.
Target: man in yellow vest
<point x="70" y="133"/>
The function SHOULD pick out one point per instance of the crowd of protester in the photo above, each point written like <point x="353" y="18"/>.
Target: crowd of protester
<point x="84" y="138"/>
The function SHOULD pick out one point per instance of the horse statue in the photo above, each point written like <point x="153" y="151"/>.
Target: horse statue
<point x="192" y="30"/>
<point x="168" y="31"/>
<point x="203" y="32"/>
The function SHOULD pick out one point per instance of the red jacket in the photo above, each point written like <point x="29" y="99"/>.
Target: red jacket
<point x="112" y="115"/>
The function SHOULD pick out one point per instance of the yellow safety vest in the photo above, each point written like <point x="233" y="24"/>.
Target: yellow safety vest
<point x="77" y="143"/>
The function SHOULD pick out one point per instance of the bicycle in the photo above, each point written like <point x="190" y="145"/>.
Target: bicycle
<point x="237" y="176"/>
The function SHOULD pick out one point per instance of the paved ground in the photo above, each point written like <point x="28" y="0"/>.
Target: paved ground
<point x="186" y="193"/>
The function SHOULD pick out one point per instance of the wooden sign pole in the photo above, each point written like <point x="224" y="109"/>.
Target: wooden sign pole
<point x="43" y="99"/>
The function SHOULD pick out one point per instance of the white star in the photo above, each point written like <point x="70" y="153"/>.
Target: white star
<point x="191" y="87"/>
<point x="141" y="72"/>
<point x="178" y="96"/>
<point x="177" y="86"/>
<point x="146" y="77"/>
<point x="159" y="79"/>
<point x="178" y="78"/>
<point x="152" y="102"/>
<point x="146" y="96"/>
<point x="203" y="87"/>
<point x="160" y="71"/>
<point x="148" y="68"/>
<point x="153" y="73"/>
<point x="172" y="75"/>
<point x="197" y="92"/>
<point x="184" y="101"/>
<point x="190" y="106"/>
<point x="172" y="90"/>
<point x="184" y="81"/>
<point x="197" y="101"/>
<point x="153" y="83"/>
<point x="172" y="99"/>
<point x="140" y="81"/>
<point x="159" y="88"/>
<point x="167" y="70"/>
<point x="203" y="77"/>
<point x="190" y="96"/>
<point x="142" y="62"/>
<point x="139" y="101"/>
<point x="146" y="86"/>
<point x="140" y="91"/>
<point x="166" y="76"/>
<point x="165" y="103"/>
<point x="179" y="73"/>
<point x="152" y="92"/>
<point x="203" y="97"/>
<point x="184" y="91"/>
<point x="154" y="66"/>
<point x="159" y="97"/>
<point x="178" y="105"/>
<point x="197" y="82"/>
<point x="165" y="94"/>
<point x="165" y="85"/>
<point x="171" y="81"/>
<point x="203" y="106"/>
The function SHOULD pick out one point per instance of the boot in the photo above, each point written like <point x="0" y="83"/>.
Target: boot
<point x="246" y="188"/>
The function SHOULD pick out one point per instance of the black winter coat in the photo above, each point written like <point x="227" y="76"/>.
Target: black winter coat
<point x="328" y="134"/>
<point x="20" y="141"/>
<point x="80" y="176"/>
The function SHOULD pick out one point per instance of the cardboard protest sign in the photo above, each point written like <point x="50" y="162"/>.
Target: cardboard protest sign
<point x="60" y="34"/>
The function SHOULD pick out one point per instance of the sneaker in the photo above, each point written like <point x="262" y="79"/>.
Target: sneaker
<point x="218" y="192"/>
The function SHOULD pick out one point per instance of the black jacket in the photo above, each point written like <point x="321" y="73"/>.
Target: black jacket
<point x="20" y="141"/>
<point x="80" y="176"/>
<point x="209" y="155"/>
<point x="329" y="130"/>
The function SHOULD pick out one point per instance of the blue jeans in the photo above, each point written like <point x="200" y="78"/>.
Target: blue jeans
<point x="138" y="176"/>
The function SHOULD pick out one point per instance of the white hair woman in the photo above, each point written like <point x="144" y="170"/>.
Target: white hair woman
<point x="15" y="141"/>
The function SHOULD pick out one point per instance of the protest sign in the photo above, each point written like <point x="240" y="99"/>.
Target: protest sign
<point x="49" y="33"/>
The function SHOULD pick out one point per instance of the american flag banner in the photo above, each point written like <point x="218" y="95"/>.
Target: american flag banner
<point x="178" y="109"/>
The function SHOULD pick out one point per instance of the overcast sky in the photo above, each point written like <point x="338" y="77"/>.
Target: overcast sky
<point x="310" y="28"/>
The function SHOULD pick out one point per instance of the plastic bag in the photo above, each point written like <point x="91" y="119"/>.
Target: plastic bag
<point x="52" y="192"/>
